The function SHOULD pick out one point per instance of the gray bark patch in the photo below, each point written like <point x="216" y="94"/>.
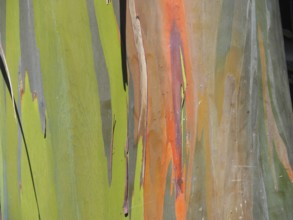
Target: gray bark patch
<point x="103" y="85"/>
<point x="30" y="58"/>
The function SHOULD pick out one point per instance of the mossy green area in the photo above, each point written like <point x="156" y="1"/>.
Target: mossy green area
<point x="69" y="165"/>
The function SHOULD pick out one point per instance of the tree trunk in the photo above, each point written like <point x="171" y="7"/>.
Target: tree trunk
<point x="145" y="110"/>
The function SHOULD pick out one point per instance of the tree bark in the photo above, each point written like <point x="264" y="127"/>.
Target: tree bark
<point x="144" y="110"/>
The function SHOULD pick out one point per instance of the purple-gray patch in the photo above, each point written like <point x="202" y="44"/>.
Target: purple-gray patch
<point x="103" y="85"/>
<point x="30" y="58"/>
<point x="177" y="83"/>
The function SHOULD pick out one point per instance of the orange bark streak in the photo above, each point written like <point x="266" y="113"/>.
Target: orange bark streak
<point x="174" y="14"/>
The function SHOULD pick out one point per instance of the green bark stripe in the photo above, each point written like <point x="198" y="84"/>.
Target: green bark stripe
<point x="103" y="85"/>
<point x="3" y="22"/>
<point x="224" y="34"/>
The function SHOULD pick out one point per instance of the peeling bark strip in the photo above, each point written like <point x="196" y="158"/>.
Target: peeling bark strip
<point x="6" y="77"/>
<point x="30" y="59"/>
<point x="126" y="190"/>
<point x="137" y="32"/>
<point x="110" y="156"/>
<point x="130" y="151"/>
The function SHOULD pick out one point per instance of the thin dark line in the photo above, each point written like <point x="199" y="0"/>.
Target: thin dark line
<point x="6" y="79"/>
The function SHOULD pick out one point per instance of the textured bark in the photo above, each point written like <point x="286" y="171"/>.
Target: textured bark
<point x="154" y="110"/>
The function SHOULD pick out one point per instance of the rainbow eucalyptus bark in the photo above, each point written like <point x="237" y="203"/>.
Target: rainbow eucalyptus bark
<point x="144" y="110"/>
<point x="230" y="154"/>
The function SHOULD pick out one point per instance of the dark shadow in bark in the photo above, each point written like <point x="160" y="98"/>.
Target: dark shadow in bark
<point x="122" y="6"/>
